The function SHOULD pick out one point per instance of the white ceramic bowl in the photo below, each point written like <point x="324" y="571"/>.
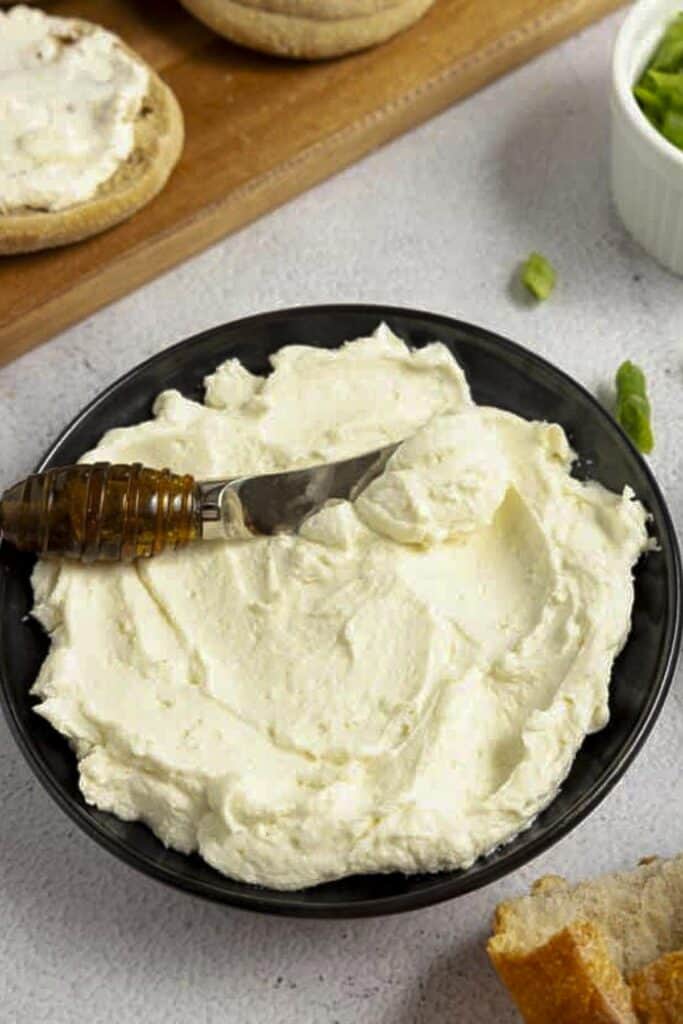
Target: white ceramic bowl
<point x="647" y="170"/>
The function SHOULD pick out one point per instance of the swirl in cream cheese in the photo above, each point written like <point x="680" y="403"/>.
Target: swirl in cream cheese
<point x="401" y="686"/>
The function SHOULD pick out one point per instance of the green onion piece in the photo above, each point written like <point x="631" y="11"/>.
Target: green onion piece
<point x="633" y="407"/>
<point x="538" y="275"/>
<point x="672" y="127"/>
<point x="651" y="104"/>
<point x="631" y="379"/>
<point x="669" y="56"/>
<point x="633" y="416"/>
<point x="669" y="53"/>
<point x="667" y="86"/>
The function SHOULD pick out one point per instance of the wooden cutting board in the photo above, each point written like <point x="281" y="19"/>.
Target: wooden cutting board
<point x="260" y="130"/>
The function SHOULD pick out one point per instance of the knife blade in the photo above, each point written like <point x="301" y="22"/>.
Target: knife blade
<point x="280" y="502"/>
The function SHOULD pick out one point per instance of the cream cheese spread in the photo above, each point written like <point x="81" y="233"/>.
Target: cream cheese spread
<point x="401" y="686"/>
<point x="69" y="98"/>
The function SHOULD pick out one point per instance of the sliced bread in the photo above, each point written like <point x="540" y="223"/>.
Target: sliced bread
<point x="590" y="954"/>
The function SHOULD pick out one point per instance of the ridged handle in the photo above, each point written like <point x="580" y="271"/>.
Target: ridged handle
<point x="101" y="512"/>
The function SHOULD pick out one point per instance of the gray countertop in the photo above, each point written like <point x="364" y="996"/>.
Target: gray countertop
<point x="438" y="220"/>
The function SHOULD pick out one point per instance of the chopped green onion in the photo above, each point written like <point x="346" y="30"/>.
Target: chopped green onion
<point x="659" y="91"/>
<point x="538" y="275"/>
<point x="669" y="54"/>
<point x="667" y="86"/>
<point x="672" y="127"/>
<point x="650" y="103"/>
<point x="633" y="407"/>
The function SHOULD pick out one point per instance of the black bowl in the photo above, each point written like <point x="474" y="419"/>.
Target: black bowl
<point x="500" y="373"/>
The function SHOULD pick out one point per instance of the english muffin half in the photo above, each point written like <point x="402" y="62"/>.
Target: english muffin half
<point x="90" y="133"/>
<point x="308" y="29"/>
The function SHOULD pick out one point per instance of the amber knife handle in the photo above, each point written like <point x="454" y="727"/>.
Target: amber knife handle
<point x="102" y="512"/>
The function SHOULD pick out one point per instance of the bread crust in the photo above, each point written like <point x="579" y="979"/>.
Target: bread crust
<point x="159" y="136"/>
<point x="308" y="29"/>
<point x="571" y="979"/>
<point x="658" y="990"/>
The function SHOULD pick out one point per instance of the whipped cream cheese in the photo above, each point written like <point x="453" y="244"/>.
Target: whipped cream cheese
<point x="403" y="685"/>
<point x="69" y="97"/>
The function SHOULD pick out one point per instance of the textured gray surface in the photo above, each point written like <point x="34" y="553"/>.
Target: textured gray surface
<point x="437" y="220"/>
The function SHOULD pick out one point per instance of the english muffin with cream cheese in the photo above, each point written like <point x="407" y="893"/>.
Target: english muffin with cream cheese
<point x="88" y="134"/>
